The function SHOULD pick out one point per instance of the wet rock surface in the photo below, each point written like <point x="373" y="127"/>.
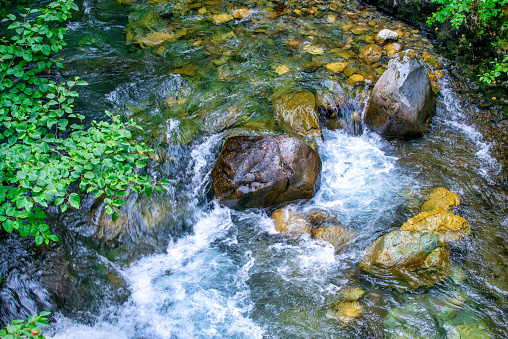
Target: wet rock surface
<point x="445" y="225"/>
<point x="408" y="258"/>
<point x="264" y="171"/>
<point x="402" y="101"/>
<point x="298" y="113"/>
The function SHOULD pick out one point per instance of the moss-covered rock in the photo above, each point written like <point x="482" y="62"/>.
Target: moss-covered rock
<point x="338" y="236"/>
<point x="297" y="112"/>
<point x="442" y="198"/>
<point x="445" y="225"/>
<point x="289" y="222"/>
<point x="409" y="259"/>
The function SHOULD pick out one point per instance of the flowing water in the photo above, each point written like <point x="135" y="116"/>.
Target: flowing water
<point x="179" y="265"/>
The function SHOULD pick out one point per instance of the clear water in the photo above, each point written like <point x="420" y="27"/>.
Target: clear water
<point x="186" y="267"/>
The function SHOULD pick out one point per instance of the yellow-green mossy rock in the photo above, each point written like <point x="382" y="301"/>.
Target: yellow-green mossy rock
<point x="408" y="259"/>
<point x="432" y="61"/>
<point x="291" y="223"/>
<point x="298" y="113"/>
<point x="355" y="79"/>
<point x="336" y="67"/>
<point x="220" y="19"/>
<point x="157" y="38"/>
<point x="371" y="54"/>
<point x="442" y="198"/>
<point x="348" y="311"/>
<point x="337" y="236"/>
<point x="241" y="13"/>
<point x="392" y="49"/>
<point x="319" y="217"/>
<point x="351" y="294"/>
<point x="445" y="225"/>
<point x="282" y="69"/>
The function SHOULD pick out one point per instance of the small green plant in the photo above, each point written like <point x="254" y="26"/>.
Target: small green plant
<point x="28" y="329"/>
<point x="44" y="146"/>
<point x="485" y="17"/>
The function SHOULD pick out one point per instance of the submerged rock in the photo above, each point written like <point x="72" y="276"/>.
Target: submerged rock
<point x="289" y="222"/>
<point x="351" y="294"/>
<point x="385" y="34"/>
<point x="402" y="101"/>
<point x="392" y="49"/>
<point x="445" y="225"/>
<point x="442" y="198"/>
<point x="298" y="113"/>
<point x="336" y="67"/>
<point x="408" y="258"/>
<point x="220" y="19"/>
<point x="282" y="69"/>
<point x="338" y="236"/>
<point x="371" y="54"/>
<point x="264" y="171"/>
<point x="241" y="13"/>
<point x="347" y="311"/>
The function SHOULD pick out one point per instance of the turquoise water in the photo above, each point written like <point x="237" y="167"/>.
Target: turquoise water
<point x="181" y="266"/>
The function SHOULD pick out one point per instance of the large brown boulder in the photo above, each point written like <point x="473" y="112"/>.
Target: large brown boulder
<point x="410" y="259"/>
<point x="297" y="112"/>
<point x="402" y="101"/>
<point x="265" y="171"/>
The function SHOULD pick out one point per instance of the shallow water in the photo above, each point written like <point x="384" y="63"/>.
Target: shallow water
<point x="185" y="267"/>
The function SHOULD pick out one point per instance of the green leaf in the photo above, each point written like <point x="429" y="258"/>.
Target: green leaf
<point x="74" y="200"/>
<point x="39" y="239"/>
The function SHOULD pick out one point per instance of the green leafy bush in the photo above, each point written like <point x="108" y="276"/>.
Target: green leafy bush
<point x="487" y="18"/>
<point x="28" y="329"/>
<point x="44" y="146"/>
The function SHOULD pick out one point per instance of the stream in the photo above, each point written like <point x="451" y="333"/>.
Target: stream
<point x="180" y="265"/>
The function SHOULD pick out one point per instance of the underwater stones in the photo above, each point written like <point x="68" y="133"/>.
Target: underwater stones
<point x="445" y="225"/>
<point x="188" y="70"/>
<point x="347" y="311"/>
<point x="384" y="35"/>
<point x="337" y="236"/>
<point x="353" y="16"/>
<point x="347" y="27"/>
<point x="336" y="67"/>
<point x="357" y="30"/>
<point x="351" y="294"/>
<point x="408" y="258"/>
<point x="371" y="53"/>
<point x="318" y="217"/>
<point x="330" y="18"/>
<point x="432" y="61"/>
<point x="441" y="197"/>
<point x="282" y="69"/>
<point x="241" y="13"/>
<point x="355" y="79"/>
<point x="392" y="49"/>
<point x="412" y="320"/>
<point x="297" y="112"/>
<point x="313" y="49"/>
<point x="220" y="19"/>
<point x="402" y="100"/>
<point x="155" y="38"/>
<point x="288" y="222"/>
<point x="264" y="171"/>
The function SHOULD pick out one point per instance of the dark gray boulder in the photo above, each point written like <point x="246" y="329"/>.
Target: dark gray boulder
<point x="402" y="101"/>
<point x="265" y="171"/>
